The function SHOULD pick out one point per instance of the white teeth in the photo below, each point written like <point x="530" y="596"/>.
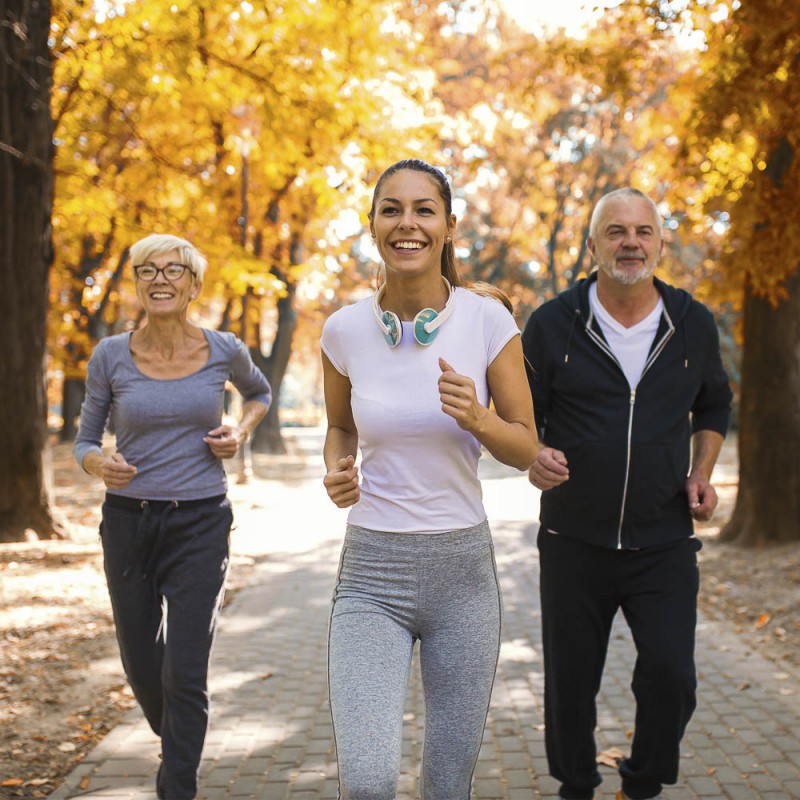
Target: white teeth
<point x="408" y="245"/>
<point x="160" y="295"/>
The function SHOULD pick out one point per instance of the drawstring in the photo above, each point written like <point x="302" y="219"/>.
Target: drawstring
<point x="159" y="542"/>
<point x="685" y="345"/>
<point x="575" y="318"/>
<point x="147" y="543"/>
<point x="136" y="545"/>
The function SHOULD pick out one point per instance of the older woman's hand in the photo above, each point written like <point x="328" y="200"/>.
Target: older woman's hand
<point x="225" y="441"/>
<point x="115" y="471"/>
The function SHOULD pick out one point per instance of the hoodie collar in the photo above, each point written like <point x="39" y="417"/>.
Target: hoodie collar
<point x="676" y="301"/>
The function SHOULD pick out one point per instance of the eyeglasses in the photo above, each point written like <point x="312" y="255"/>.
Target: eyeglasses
<point x="148" y="272"/>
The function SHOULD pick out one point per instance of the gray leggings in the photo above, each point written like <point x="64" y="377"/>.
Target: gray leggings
<point x="393" y="589"/>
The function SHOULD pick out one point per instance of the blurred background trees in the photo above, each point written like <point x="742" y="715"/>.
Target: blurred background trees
<point x="742" y="147"/>
<point x="258" y="129"/>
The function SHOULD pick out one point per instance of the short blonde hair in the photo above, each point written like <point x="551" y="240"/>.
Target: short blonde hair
<point x="156" y="244"/>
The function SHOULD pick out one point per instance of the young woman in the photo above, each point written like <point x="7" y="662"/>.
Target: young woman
<point x="408" y="378"/>
<point x="166" y="519"/>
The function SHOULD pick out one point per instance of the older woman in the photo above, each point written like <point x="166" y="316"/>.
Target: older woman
<point x="166" y="518"/>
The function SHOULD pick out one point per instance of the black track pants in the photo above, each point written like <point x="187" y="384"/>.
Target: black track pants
<point x="582" y="587"/>
<point x="165" y="564"/>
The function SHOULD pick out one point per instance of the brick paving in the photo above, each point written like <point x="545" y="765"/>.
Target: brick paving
<point x="270" y="735"/>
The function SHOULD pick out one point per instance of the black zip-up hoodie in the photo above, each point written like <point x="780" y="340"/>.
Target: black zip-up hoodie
<point x="627" y="451"/>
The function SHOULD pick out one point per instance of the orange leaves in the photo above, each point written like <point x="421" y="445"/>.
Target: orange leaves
<point x="22" y="783"/>
<point x="150" y="132"/>
<point x="747" y="106"/>
<point x="763" y="619"/>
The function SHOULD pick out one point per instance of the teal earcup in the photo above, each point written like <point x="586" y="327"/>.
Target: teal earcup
<point x="420" y="334"/>
<point x="395" y="332"/>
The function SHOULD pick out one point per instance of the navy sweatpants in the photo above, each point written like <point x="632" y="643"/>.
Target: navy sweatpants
<point x="165" y="563"/>
<point x="582" y="587"/>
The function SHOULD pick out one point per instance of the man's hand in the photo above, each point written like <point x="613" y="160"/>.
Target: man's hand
<point x="702" y="497"/>
<point x="549" y="469"/>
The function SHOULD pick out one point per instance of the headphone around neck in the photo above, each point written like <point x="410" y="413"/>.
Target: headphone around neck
<point x="425" y="325"/>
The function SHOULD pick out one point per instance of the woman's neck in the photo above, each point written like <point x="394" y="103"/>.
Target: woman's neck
<point x="167" y="334"/>
<point x="406" y="297"/>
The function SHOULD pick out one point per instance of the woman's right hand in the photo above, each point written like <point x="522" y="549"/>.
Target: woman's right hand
<point x="341" y="482"/>
<point x="115" y="471"/>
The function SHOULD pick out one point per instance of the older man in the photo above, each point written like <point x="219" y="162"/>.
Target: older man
<point x="632" y="405"/>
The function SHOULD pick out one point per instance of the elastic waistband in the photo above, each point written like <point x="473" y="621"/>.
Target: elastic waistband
<point x="137" y="504"/>
<point x="447" y="543"/>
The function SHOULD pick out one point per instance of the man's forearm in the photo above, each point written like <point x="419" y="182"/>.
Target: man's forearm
<point x="705" y="451"/>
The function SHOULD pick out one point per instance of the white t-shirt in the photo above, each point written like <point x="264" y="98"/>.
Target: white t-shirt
<point x="418" y="468"/>
<point x="631" y="346"/>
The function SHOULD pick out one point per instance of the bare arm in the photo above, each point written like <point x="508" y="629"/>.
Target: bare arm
<point x="341" y="440"/>
<point x="702" y="496"/>
<point x="508" y="432"/>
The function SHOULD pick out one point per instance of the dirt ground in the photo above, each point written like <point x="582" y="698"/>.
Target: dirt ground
<point x="757" y="591"/>
<point x="62" y="687"/>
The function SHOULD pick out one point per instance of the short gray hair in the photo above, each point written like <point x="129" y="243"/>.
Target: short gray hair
<point x="625" y="191"/>
<point x="156" y="244"/>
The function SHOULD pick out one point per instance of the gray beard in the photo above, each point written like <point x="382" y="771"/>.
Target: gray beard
<point x="627" y="278"/>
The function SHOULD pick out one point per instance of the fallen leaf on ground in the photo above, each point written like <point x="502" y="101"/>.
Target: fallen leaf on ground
<point x="610" y="757"/>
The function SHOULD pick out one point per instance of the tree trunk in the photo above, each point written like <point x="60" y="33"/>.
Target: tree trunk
<point x="72" y="397"/>
<point x="768" y="504"/>
<point x="91" y="323"/>
<point x="267" y="437"/>
<point x="26" y="201"/>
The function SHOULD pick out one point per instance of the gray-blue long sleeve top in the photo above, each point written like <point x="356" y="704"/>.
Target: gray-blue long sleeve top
<point x="160" y="424"/>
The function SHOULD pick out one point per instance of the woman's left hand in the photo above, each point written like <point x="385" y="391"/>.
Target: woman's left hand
<point x="459" y="399"/>
<point x="224" y="441"/>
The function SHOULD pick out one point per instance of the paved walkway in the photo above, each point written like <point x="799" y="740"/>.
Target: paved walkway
<point x="270" y="734"/>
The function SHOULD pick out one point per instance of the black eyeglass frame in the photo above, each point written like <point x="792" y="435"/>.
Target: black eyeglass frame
<point x="163" y="270"/>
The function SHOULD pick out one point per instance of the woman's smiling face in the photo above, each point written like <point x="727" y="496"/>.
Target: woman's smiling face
<point x="410" y="223"/>
<point x="162" y="296"/>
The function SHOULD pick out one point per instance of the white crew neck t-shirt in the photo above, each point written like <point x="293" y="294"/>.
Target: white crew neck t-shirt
<point x="631" y="346"/>
<point x="419" y="470"/>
